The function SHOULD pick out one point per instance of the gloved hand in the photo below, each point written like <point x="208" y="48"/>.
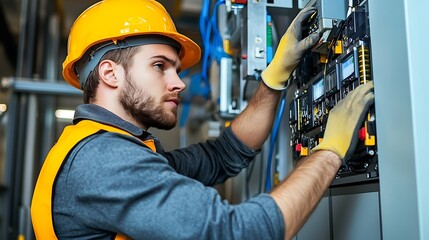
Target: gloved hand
<point x="289" y="52"/>
<point x="344" y="121"/>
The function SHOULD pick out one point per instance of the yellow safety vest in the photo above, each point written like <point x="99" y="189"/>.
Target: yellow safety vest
<point x="41" y="205"/>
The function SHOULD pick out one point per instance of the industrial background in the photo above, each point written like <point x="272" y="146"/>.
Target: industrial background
<point x="380" y="193"/>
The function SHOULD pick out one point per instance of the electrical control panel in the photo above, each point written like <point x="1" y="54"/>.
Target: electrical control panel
<point x="324" y="77"/>
<point x="248" y="40"/>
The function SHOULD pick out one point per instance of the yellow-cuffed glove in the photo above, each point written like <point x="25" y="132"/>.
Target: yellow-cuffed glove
<point x="344" y="121"/>
<point x="289" y="52"/>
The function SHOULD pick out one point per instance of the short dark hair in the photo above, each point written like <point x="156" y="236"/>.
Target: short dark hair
<point x="122" y="57"/>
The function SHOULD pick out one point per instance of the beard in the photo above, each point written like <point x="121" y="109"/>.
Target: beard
<point x="144" y="109"/>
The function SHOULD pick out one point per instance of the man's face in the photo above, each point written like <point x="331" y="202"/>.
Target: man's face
<point x="150" y="93"/>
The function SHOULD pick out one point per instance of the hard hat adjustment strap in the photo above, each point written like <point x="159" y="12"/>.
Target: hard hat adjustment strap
<point x="92" y="57"/>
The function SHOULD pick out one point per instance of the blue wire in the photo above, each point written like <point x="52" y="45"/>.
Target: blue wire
<point x="212" y="40"/>
<point x="218" y="51"/>
<point x="205" y="30"/>
<point x="213" y="50"/>
<point x="185" y="113"/>
<point x="268" y="184"/>
<point x="205" y="9"/>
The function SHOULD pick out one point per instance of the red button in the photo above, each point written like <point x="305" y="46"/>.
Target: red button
<point x="362" y="134"/>
<point x="298" y="147"/>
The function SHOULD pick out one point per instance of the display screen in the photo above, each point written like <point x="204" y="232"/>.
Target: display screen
<point x="318" y="89"/>
<point x="347" y="67"/>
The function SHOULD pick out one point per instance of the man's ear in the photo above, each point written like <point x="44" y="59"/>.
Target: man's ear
<point x="106" y="73"/>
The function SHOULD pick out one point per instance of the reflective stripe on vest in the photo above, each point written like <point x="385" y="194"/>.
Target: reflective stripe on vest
<point x="41" y="205"/>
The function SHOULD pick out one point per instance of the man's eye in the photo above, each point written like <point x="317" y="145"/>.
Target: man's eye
<point x="159" y="66"/>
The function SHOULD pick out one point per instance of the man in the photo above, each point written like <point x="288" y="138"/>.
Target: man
<point x="107" y="177"/>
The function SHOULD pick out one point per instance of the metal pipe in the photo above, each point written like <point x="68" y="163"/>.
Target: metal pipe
<point x="9" y="170"/>
<point x="27" y="37"/>
<point x="24" y="85"/>
<point x="28" y="168"/>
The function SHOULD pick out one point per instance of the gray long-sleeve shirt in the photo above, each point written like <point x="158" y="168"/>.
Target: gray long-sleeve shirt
<point x="111" y="183"/>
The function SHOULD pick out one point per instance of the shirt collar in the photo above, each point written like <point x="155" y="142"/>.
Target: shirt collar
<point x="99" y="114"/>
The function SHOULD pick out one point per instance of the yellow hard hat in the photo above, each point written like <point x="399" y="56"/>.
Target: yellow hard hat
<point x="115" y="20"/>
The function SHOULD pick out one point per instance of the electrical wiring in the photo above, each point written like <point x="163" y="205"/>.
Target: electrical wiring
<point x="212" y="49"/>
<point x="268" y="178"/>
<point x="331" y="46"/>
<point x="218" y="51"/>
<point x="271" y="35"/>
<point x="205" y="29"/>
<point x="212" y="40"/>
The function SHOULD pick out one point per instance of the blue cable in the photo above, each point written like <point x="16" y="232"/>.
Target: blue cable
<point x="212" y="40"/>
<point x="205" y="9"/>
<point x="204" y="24"/>
<point x="218" y="51"/>
<point x="213" y="50"/>
<point x="268" y="184"/>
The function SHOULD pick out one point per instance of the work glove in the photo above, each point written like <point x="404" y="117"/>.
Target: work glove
<point x="344" y="121"/>
<point x="289" y="52"/>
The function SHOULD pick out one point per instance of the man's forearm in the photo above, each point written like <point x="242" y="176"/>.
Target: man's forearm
<point x="302" y="190"/>
<point x="253" y="125"/>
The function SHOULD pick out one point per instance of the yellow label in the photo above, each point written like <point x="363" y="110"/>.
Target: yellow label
<point x="304" y="151"/>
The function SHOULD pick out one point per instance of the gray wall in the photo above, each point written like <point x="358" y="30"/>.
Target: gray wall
<point x="399" y="41"/>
